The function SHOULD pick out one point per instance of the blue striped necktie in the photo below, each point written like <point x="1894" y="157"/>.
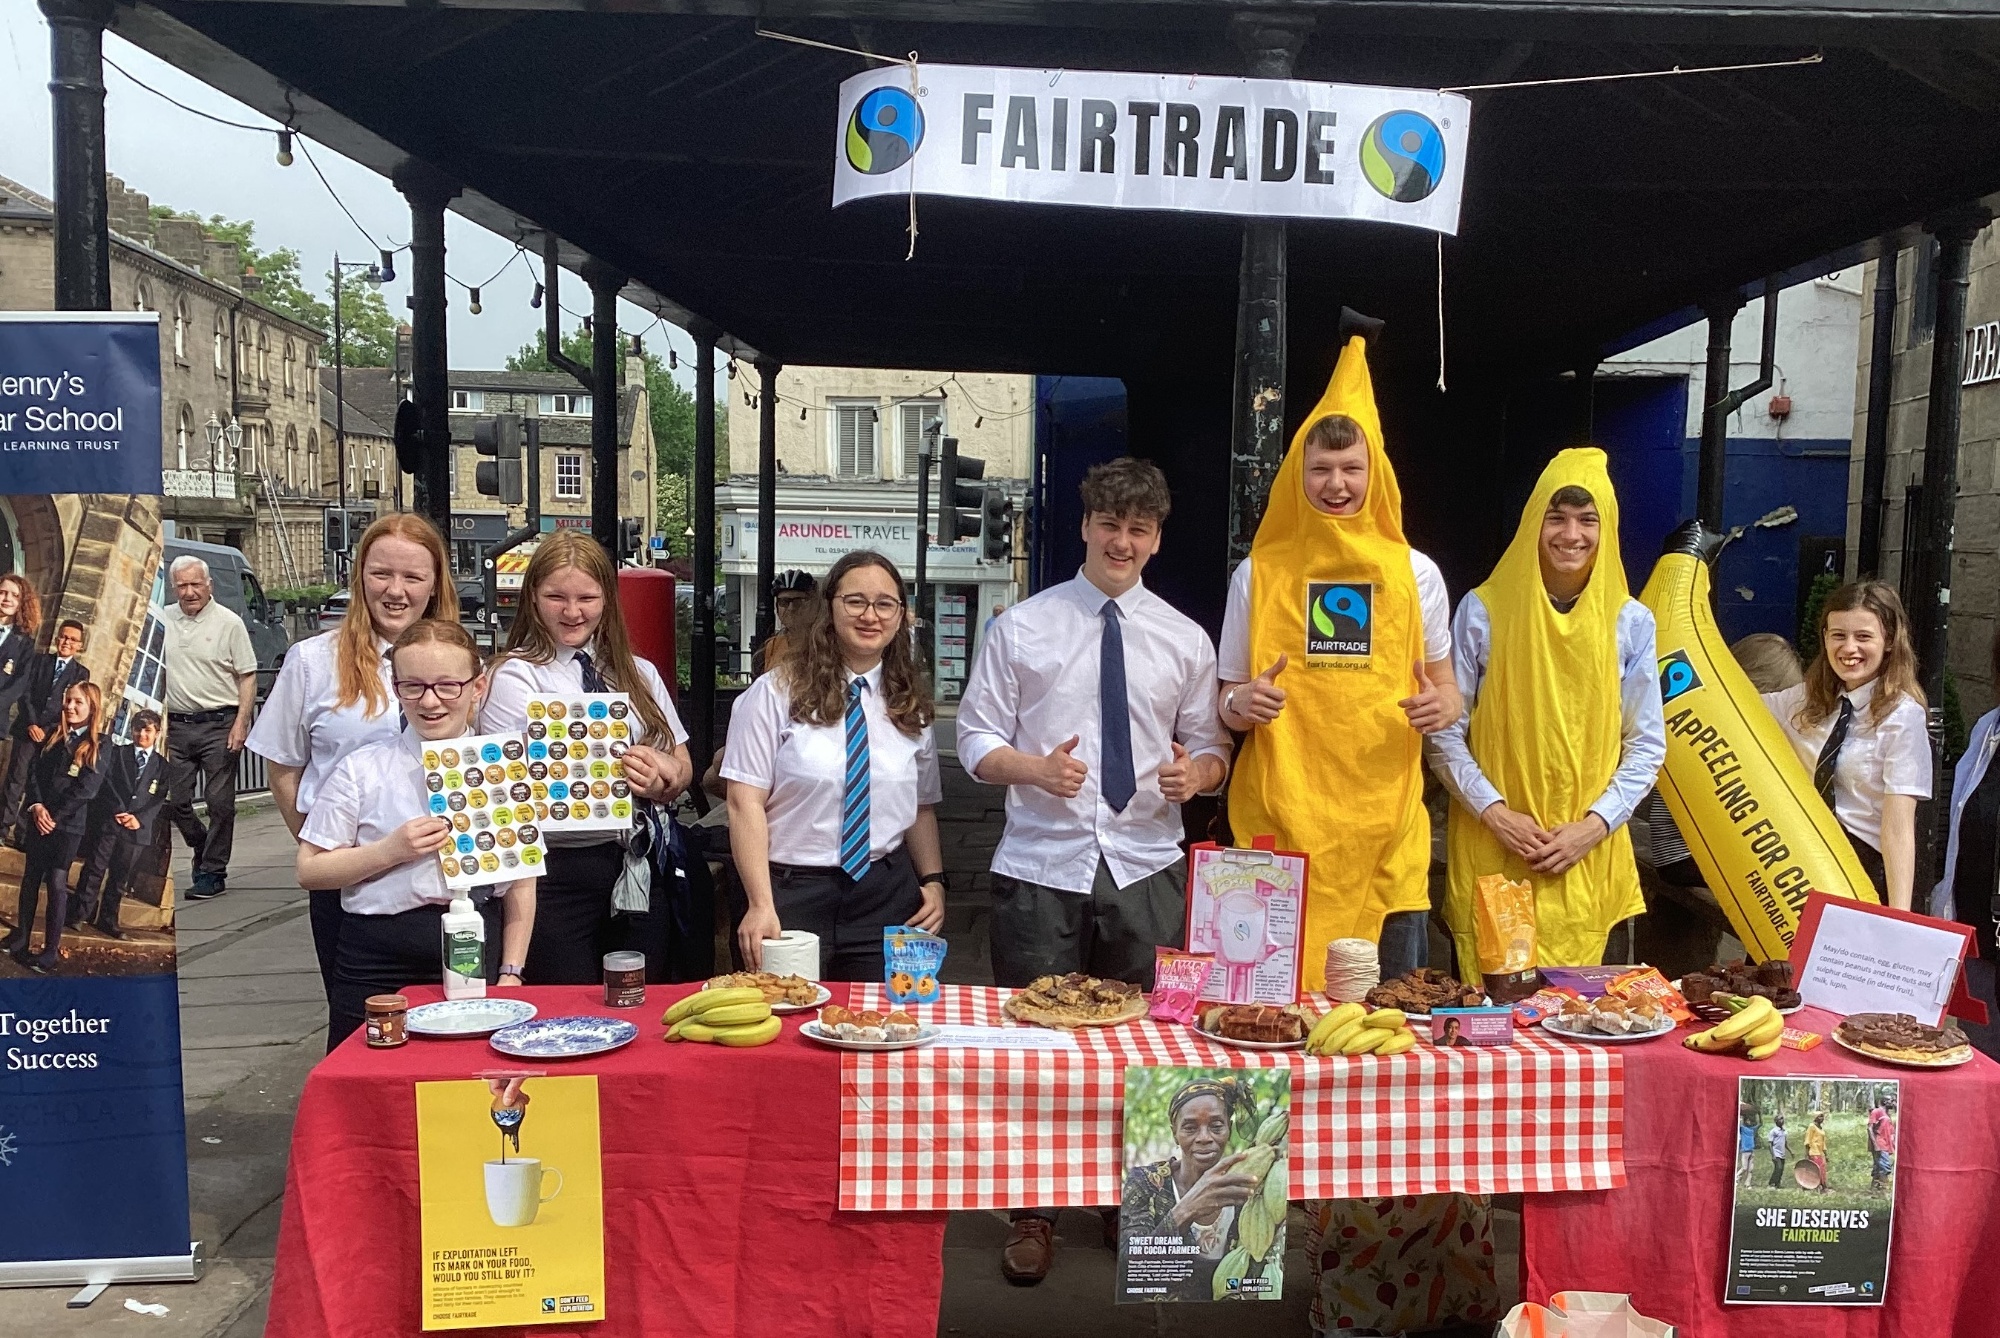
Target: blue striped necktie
<point x="854" y="826"/>
<point x="592" y="680"/>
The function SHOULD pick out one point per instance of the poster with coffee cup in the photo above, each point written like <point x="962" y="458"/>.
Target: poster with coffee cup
<point x="512" y="1201"/>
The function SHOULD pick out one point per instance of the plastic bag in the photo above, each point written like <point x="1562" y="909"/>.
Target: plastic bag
<point x="1505" y="923"/>
<point x="910" y="962"/>
<point x="1178" y="979"/>
<point x="1582" y="1315"/>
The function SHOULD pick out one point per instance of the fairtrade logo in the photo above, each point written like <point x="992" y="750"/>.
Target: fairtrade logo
<point x="1339" y="618"/>
<point x="1402" y="155"/>
<point x="1677" y="676"/>
<point x="885" y="131"/>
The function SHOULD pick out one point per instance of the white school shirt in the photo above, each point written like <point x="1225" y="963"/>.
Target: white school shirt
<point x="1232" y="656"/>
<point x="366" y="796"/>
<point x="300" y="725"/>
<point x="805" y="769"/>
<point x="505" y="710"/>
<point x="1034" y="684"/>
<point x="1876" y="761"/>
<point x="1643" y="745"/>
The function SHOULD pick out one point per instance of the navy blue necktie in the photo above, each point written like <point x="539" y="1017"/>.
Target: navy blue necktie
<point x="1829" y="752"/>
<point x="855" y="830"/>
<point x="592" y="680"/>
<point x="1114" y="715"/>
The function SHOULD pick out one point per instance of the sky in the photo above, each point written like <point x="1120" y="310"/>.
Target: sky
<point x="192" y="164"/>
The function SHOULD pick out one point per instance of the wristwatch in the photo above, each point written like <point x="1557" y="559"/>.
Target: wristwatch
<point x="941" y="878"/>
<point x="509" y="969"/>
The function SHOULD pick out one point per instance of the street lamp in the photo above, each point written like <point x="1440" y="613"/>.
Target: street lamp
<point x="222" y="441"/>
<point x="375" y="274"/>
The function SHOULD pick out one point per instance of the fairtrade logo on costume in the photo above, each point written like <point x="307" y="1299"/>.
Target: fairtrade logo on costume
<point x="885" y="131"/>
<point x="1340" y="618"/>
<point x="1402" y="156"/>
<point x="1677" y="676"/>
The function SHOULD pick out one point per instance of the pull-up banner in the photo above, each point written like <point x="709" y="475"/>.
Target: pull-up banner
<point x="1202" y="143"/>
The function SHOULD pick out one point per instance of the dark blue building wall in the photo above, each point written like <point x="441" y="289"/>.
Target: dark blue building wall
<point x="1079" y="422"/>
<point x="1761" y="578"/>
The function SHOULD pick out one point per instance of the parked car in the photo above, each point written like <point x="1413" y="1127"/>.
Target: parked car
<point x="237" y="589"/>
<point x="334" y="610"/>
<point x="471" y="598"/>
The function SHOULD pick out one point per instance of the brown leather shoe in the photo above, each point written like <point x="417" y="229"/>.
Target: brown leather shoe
<point x="1029" y="1250"/>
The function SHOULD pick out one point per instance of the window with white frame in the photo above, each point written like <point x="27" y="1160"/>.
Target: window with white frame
<point x="315" y="482"/>
<point x="855" y="425"/>
<point x="913" y="419"/>
<point x="264" y="357"/>
<point x="291" y="452"/>
<point x="183" y="437"/>
<point x="461" y="399"/>
<point x="569" y="404"/>
<point x="569" y="476"/>
<point x="181" y="329"/>
<point x="291" y="368"/>
<point x="221" y="347"/>
<point x="144" y="300"/>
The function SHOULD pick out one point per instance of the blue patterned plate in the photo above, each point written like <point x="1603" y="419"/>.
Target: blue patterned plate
<point x="563" y="1037"/>
<point x="450" y="1018"/>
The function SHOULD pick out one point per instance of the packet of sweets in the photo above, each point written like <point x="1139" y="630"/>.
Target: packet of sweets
<point x="1505" y="928"/>
<point x="1178" y="978"/>
<point x="1647" y="980"/>
<point x="910" y="962"/>
<point x="1546" y="1002"/>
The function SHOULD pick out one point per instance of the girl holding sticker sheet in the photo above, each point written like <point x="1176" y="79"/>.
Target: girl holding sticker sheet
<point x="371" y="837"/>
<point x="569" y="637"/>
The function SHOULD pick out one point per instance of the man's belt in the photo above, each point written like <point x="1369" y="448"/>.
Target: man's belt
<point x="202" y="717"/>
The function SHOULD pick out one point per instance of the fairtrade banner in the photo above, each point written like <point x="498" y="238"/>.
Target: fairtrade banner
<point x="512" y="1201"/>
<point x="1743" y="801"/>
<point x="92" y="1131"/>
<point x="1204" y="143"/>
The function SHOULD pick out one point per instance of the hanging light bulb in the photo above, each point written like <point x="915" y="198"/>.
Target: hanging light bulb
<point x="979" y="422"/>
<point x="732" y="369"/>
<point x="673" y="358"/>
<point x="474" y="308"/>
<point x="536" y="300"/>
<point x="284" y="148"/>
<point x="587" y="328"/>
<point x="388" y="267"/>
<point x="802" y="413"/>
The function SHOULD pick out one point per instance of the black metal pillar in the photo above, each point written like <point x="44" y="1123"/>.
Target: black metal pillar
<point x="1930" y="610"/>
<point x="605" y="352"/>
<point x="428" y="193"/>
<point x="76" y="89"/>
<point x="767" y="497"/>
<point x="1714" y="460"/>
<point x="1586" y="403"/>
<point x="1875" y="440"/>
<point x="701" y="506"/>
<point x="1257" y="427"/>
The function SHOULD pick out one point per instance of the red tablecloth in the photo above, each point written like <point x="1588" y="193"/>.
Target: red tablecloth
<point x="1665" y="1237"/>
<point x="720" y="1173"/>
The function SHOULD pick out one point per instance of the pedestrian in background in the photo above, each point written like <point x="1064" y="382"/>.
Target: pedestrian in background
<point x="1780" y="1141"/>
<point x="61" y="784"/>
<point x="211" y="696"/>
<point x="121" y="826"/>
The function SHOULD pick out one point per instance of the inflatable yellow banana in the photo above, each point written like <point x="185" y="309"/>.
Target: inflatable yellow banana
<point x="1758" y="831"/>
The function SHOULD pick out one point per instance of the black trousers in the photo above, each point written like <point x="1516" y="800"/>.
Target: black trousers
<point x="1109" y="932"/>
<point x="327" y="918"/>
<point x="574" y="926"/>
<point x="1871" y="860"/>
<point x="48" y="861"/>
<point x="111" y="855"/>
<point x="848" y="915"/>
<point x="380" y="954"/>
<point x="203" y="747"/>
<point x="20" y="756"/>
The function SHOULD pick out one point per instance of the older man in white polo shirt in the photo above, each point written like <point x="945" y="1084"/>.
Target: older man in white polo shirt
<point x="211" y="694"/>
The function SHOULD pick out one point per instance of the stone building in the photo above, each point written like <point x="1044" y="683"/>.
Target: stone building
<point x="225" y="359"/>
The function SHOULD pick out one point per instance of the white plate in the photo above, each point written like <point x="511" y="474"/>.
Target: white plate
<point x="563" y="1037"/>
<point x="813" y="1032"/>
<point x="1966" y="1058"/>
<point x="1782" y="1012"/>
<point x="1299" y="1044"/>
<point x="824" y="995"/>
<point x="1594" y="1037"/>
<point x="453" y="1018"/>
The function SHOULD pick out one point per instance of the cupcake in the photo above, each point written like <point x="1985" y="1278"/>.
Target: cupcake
<point x="868" y="1027"/>
<point x="900" y="1026"/>
<point x="836" y="1021"/>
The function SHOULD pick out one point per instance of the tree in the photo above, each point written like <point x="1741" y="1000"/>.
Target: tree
<point x="281" y="286"/>
<point x="533" y="356"/>
<point x="368" y="329"/>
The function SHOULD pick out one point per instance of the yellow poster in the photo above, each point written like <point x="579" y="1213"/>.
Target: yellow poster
<point x="512" y="1202"/>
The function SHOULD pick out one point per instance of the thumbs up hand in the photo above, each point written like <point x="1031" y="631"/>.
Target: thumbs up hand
<point x="1181" y="779"/>
<point x="1259" y="701"/>
<point x="1435" y="705"/>
<point x="1062" y="774"/>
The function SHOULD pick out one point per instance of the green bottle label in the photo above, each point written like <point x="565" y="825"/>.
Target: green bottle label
<point x="462" y="954"/>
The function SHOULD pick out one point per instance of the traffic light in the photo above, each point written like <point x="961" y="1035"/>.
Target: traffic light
<point x="499" y="436"/>
<point x="629" y="538"/>
<point x="957" y="487"/>
<point x="338" y="538"/>
<point x="409" y="437"/>
<point x="996" y="524"/>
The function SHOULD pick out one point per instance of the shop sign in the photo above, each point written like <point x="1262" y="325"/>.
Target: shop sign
<point x="1982" y="354"/>
<point x="817" y="541"/>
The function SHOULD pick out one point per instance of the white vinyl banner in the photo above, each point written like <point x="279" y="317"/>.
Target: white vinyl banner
<point x="1263" y="147"/>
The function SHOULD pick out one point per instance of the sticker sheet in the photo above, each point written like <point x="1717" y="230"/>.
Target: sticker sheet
<point x="480" y="786"/>
<point x="576" y="749"/>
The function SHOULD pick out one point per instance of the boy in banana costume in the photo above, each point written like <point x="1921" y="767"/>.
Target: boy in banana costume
<point x="1564" y="732"/>
<point x="1334" y="599"/>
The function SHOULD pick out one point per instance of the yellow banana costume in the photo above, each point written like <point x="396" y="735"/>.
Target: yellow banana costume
<point x="1547" y="729"/>
<point x="1745" y="803"/>
<point x="1338" y="775"/>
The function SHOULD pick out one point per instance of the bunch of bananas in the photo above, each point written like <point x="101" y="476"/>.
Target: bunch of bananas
<point x="1757" y="1026"/>
<point x="1352" y="1030"/>
<point x="738" y="1017"/>
<point x="1261" y="1220"/>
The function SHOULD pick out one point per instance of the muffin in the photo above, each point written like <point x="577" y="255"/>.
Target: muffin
<point x="900" y="1026"/>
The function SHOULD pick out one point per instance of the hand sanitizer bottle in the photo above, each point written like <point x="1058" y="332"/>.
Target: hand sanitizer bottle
<point x="464" y="933"/>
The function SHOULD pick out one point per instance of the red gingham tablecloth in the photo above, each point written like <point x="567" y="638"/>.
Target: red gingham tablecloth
<point x="930" y="1129"/>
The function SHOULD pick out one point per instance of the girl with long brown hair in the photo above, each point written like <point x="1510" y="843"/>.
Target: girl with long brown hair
<point x="833" y="780"/>
<point x="569" y="636"/>
<point x="1858" y="722"/>
<point x="62" y="781"/>
<point x="335" y="693"/>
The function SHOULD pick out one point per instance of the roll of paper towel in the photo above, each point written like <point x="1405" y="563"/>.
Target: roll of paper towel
<point x="793" y="953"/>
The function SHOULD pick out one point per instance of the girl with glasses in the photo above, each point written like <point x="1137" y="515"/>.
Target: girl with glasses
<point x="833" y="781"/>
<point x="569" y="636"/>
<point x="371" y="838"/>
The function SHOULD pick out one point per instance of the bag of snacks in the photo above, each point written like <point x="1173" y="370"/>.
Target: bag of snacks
<point x="1178" y="979"/>
<point x="910" y="962"/>
<point x="1544" y="1002"/>
<point x="1505" y="924"/>
<point x="1647" y="982"/>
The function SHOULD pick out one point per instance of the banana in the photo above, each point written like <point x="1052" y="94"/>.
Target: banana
<point x="1232" y="1268"/>
<point x="1750" y="1019"/>
<point x="1388" y="1018"/>
<point x="1339" y="1037"/>
<point x="1273" y="1131"/>
<point x="1766" y="1034"/>
<point x="691" y="1030"/>
<point x="734" y="1015"/>
<point x="1398" y="1043"/>
<point x="1707" y="1043"/>
<point x="703" y="1000"/>
<point x="1332" y="1022"/>
<point x="1364" y="1041"/>
<point x="1768" y="1048"/>
<point x="756" y="1033"/>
